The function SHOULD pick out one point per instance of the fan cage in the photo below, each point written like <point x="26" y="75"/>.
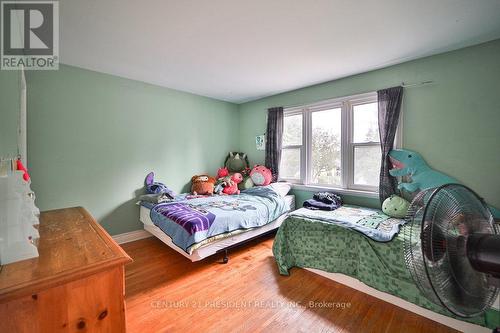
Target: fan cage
<point x="434" y="248"/>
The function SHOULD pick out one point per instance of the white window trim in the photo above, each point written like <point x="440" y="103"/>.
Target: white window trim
<point x="292" y="112"/>
<point x="348" y="146"/>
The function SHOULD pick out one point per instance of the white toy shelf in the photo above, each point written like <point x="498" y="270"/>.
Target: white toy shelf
<point x="19" y="217"/>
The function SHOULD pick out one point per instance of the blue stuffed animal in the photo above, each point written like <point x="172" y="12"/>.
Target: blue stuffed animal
<point x="410" y="163"/>
<point x="153" y="187"/>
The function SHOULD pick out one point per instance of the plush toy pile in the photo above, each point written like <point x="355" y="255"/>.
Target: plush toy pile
<point x="233" y="177"/>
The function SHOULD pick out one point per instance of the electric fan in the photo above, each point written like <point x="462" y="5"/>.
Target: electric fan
<point x="452" y="249"/>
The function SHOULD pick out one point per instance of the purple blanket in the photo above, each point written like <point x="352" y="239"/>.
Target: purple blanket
<point x="191" y="218"/>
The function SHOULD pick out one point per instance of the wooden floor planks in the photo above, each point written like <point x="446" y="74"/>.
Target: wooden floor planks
<point x="165" y="292"/>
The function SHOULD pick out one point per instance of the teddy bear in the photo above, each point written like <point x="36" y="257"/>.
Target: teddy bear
<point x="202" y="184"/>
<point x="261" y="176"/>
<point x="232" y="188"/>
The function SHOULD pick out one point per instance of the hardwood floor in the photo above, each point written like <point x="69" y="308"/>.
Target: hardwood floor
<point x="165" y="292"/>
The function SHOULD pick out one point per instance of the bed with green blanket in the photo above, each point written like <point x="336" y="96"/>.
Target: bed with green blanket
<point x="314" y="243"/>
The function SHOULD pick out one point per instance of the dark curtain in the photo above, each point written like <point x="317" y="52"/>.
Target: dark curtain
<point x="274" y="136"/>
<point x="389" y="108"/>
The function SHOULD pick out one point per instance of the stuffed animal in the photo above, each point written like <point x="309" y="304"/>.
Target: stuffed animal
<point x="223" y="180"/>
<point x="395" y="206"/>
<point x="236" y="178"/>
<point x="221" y="183"/>
<point x="222" y="172"/>
<point x="219" y="186"/>
<point x="236" y="162"/>
<point x="153" y="187"/>
<point x="246" y="183"/>
<point x="410" y="164"/>
<point x="202" y="184"/>
<point x="261" y="176"/>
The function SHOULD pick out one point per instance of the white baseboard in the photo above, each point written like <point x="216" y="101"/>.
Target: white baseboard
<point x="358" y="285"/>
<point x="131" y="236"/>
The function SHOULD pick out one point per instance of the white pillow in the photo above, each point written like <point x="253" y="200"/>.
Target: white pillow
<point x="282" y="188"/>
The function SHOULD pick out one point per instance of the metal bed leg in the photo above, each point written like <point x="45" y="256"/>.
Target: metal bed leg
<point x="225" y="260"/>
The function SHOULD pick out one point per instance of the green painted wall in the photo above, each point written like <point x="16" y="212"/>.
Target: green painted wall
<point x="10" y="97"/>
<point x="453" y="123"/>
<point x="93" y="137"/>
<point x="10" y="106"/>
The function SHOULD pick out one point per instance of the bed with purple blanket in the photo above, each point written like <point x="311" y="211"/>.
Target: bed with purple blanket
<point x="190" y="223"/>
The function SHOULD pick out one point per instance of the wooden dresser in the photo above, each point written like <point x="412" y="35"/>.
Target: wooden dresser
<point x="75" y="285"/>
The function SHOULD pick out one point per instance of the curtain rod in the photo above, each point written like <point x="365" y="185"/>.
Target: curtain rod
<point x="416" y="84"/>
<point x="403" y="84"/>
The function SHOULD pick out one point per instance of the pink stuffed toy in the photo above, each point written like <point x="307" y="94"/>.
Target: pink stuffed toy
<point x="236" y="178"/>
<point x="222" y="172"/>
<point x="261" y="176"/>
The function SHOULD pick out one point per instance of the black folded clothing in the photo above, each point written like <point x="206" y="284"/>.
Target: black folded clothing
<point x="328" y="198"/>
<point x="319" y="205"/>
<point x="324" y="201"/>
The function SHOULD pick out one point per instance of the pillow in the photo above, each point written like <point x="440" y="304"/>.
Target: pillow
<point x="282" y="188"/>
<point x="395" y="206"/>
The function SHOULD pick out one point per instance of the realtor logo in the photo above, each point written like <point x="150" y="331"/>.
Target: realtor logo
<point x="30" y="35"/>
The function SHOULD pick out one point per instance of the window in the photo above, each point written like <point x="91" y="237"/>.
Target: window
<point x="333" y="143"/>
<point x="292" y="146"/>
<point x="326" y="155"/>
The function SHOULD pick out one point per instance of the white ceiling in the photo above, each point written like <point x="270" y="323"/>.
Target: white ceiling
<point x="237" y="50"/>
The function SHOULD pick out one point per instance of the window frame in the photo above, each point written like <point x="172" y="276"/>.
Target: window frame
<point x="310" y="111"/>
<point x="294" y="112"/>
<point x="348" y="146"/>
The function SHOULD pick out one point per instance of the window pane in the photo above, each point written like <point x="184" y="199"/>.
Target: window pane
<point x="366" y="123"/>
<point x="326" y="143"/>
<point x="367" y="165"/>
<point x="290" y="163"/>
<point x="292" y="130"/>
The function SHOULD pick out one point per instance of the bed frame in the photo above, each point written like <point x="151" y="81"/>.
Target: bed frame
<point x="445" y="320"/>
<point x="221" y="245"/>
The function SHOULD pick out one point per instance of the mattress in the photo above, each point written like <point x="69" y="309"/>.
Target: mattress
<point x="214" y="244"/>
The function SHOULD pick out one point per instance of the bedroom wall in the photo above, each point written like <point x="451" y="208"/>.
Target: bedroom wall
<point x="453" y="123"/>
<point x="10" y="106"/>
<point x="10" y="94"/>
<point x="93" y="138"/>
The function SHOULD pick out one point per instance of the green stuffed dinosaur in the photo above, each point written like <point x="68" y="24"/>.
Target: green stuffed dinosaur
<point x="409" y="163"/>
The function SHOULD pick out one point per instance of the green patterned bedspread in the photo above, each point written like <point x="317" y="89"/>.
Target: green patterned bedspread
<point x="308" y="243"/>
